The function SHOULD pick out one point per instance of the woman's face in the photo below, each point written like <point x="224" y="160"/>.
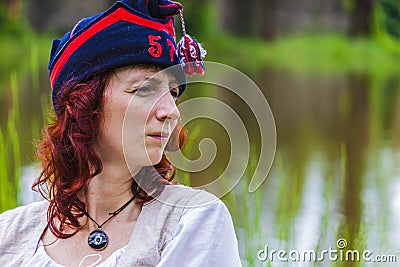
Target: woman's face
<point x="139" y="114"/>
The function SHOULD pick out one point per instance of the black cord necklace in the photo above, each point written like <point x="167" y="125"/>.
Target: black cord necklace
<point x="98" y="239"/>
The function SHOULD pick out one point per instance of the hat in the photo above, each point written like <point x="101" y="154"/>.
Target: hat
<point x="130" y="32"/>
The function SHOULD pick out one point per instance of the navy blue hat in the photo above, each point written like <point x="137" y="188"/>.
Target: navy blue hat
<point x="130" y="32"/>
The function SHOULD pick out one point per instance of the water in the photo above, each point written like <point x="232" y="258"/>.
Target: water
<point x="336" y="173"/>
<point x="337" y="136"/>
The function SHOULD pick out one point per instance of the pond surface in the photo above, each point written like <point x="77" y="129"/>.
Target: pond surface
<point x="336" y="174"/>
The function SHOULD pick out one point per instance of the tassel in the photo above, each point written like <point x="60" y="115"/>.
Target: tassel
<point x="190" y="53"/>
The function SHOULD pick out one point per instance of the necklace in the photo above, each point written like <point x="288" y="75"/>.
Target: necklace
<point x="98" y="240"/>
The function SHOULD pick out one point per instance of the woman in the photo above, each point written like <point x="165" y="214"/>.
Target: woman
<point x="110" y="199"/>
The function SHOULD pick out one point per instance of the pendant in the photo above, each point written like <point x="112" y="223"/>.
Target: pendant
<point x="98" y="240"/>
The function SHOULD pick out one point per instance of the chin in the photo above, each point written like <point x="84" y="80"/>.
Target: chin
<point x="154" y="156"/>
<point x="147" y="158"/>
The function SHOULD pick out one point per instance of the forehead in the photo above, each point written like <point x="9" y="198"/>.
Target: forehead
<point x="136" y="75"/>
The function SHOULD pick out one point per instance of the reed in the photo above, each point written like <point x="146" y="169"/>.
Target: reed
<point x="10" y="155"/>
<point x="4" y="188"/>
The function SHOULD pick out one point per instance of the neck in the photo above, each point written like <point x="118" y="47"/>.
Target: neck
<point x="108" y="191"/>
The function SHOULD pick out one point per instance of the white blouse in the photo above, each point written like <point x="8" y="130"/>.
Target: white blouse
<point x="204" y="237"/>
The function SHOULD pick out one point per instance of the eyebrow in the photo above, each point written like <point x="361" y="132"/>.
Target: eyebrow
<point x="138" y="82"/>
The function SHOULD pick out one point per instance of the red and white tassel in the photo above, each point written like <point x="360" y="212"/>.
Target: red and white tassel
<point x="190" y="53"/>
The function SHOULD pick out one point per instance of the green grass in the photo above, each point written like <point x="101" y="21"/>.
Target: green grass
<point x="10" y="155"/>
<point x="246" y="209"/>
<point x="304" y="53"/>
<point x="24" y="54"/>
<point x="21" y="63"/>
<point x="325" y="220"/>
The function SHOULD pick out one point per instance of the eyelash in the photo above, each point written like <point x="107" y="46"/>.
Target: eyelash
<point x="144" y="89"/>
<point x="147" y="89"/>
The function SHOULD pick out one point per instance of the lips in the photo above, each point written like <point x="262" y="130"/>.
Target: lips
<point x="159" y="136"/>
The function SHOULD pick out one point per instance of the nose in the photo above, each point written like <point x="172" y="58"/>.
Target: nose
<point x="166" y="108"/>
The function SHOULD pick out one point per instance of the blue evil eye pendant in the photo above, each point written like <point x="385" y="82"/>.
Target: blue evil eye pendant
<point x="98" y="240"/>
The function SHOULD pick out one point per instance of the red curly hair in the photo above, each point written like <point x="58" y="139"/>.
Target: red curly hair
<point x="69" y="160"/>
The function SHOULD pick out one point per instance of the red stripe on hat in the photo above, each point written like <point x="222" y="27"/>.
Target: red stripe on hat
<point x="175" y="5"/>
<point x="114" y="17"/>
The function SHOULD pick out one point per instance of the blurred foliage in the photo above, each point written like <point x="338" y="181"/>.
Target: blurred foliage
<point x="205" y="18"/>
<point x="12" y="17"/>
<point x="349" y="5"/>
<point x="391" y="18"/>
<point x="16" y="48"/>
<point x="200" y="18"/>
<point x="10" y="156"/>
<point x="319" y="54"/>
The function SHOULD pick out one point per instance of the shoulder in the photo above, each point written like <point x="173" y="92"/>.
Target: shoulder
<point x="204" y="235"/>
<point x="22" y="217"/>
<point x="205" y="211"/>
<point x="168" y="207"/>
<point x="193" y="203"/>
<point x="184" y="196"/>
<point x="32" y="208"/>
<point x="201" y="211"/>
<point x="197" y="200"/>
<point x="20" y="230"/>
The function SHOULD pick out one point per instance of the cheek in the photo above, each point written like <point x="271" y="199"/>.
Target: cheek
<point x="114" y="118"/>
<point x="139" y="149"/>
<point x="137" y="116"/>
<point x="135" y="123"/>
<point x="110" y="134"/>
<point x="112" y="125"/>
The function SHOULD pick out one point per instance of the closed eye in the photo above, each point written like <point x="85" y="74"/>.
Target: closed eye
<point x="144" y="89"/>
<point x="141" y="90"/>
